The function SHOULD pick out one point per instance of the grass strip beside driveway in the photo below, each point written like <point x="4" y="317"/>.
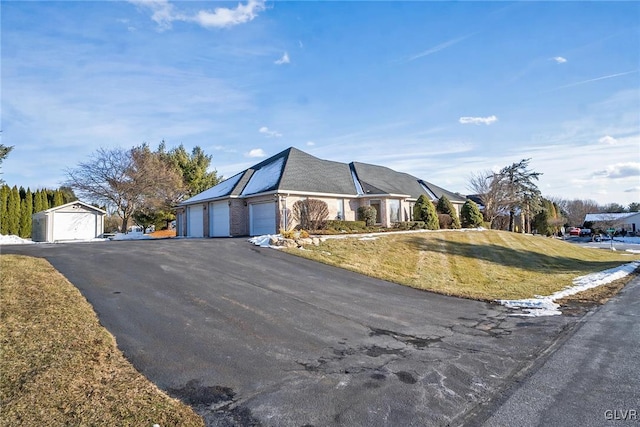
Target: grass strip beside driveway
<point x="485" y="265"/>
<point x="59" y="366"/>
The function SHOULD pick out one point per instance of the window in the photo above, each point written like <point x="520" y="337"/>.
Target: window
<point x="394" y="211"/>
<point x="340" y="210"/>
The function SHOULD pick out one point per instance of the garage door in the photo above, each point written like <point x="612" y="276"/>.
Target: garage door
<point x="74" y="226"/>
<point x="262" y="218"/>
<point x="195" y="224"/>
<point x="219" y="219"/>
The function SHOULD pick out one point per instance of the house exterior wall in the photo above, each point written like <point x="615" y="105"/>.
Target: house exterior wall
<point x="239" y="217"/>
<point x="349" y="212"/>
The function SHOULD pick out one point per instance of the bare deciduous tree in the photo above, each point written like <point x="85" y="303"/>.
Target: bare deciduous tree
<point x="126" y="180"/>
<point x="311" y="214"/>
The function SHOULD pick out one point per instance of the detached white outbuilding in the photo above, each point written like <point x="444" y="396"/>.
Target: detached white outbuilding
<point x="73" y="221"/>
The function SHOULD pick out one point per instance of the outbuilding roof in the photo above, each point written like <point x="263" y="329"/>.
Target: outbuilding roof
<point x="605" y="216"/>
<point x="77" y="203"/>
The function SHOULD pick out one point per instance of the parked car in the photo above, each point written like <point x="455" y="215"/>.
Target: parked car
<point x="574" y="231"/>
<point x="585" y="232"/>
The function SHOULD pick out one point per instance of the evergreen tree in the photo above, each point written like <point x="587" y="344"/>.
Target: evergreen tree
<point x="4" y="152"/>
<point x="4" y="213"/>
<point x="37" y="202"/>
<point x="470" y="215"/>
<point x="26" y="208"/>
<point x="58" y="198"/>
<point x="193" y="167"/>
<point x="44" y="200"/>
<point x="13" y="220"/>
<point x="424" y="210"/>
<point x="67" y="194"/>
<point x="446" y="207"/>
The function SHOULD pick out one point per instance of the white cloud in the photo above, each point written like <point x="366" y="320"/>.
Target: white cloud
<point x="164" y="14"/>
<point x="284" y="60"/>
<point x="256" y="152"/>
<point x="608" y="140"/>
<point x="478" y="120"/>
<point x="560" y="59"/>
<point x="621" y="170"/>
<point x="310" y="143"/>
<point x="270" y="133"/>
<point x="223" y="17"/>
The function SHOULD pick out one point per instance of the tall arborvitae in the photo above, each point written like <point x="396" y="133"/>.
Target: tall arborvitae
<point x="58" y="199"/>
<point x="4" y="204"/>
<point x="37" y="202"/>
<point x="13" y="220"/>
<point x="26" y="209"/>
<point x="44" y="200"/>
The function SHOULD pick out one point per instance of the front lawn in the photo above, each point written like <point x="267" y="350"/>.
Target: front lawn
<point x="483" y="265"/>
<point x="59" y="366"/>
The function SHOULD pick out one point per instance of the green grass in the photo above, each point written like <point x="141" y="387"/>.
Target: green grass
<point x="482" y="265"/>
<point x="59" y="366"/>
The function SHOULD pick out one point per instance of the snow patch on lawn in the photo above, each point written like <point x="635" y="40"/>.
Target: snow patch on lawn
<point x="545" y="305"/>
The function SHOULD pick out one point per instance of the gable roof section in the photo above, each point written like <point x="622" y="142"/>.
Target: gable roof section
<point x="77" y="203"/>
<point x="221" y="189"/>
<point x="439" y="192"/>
<point x="382" y="180"/>
<point x="293" y="170"/>
<point x="306" y="173"/>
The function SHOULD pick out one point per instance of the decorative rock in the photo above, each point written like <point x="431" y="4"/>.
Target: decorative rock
<point x="289" y="243"/>
<point x="273" y="240"/>
<point x="315" y="241"/>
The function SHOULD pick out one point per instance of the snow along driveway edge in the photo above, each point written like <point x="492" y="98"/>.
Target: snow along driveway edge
<point x="545" y="305"/>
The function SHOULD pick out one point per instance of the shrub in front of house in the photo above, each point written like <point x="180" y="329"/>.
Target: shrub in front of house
<point x="348" y="226"/>
<point x="470" y="215"/>
<point x="424" y="210"/>
<point x="445" y="207"/>
<point x="409" y="225"/>
<point x="368" y="215"/>
<point x="445" y="221"/>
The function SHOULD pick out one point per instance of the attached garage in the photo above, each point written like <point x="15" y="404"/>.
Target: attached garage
<point x="262" y="218"/>
<point x="195" y="221"/>
<point x="219" y="219"/>
<point x="73" y="221"/>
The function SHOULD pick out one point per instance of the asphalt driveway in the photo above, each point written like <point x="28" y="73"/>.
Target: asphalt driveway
<point x="252" y="336"/>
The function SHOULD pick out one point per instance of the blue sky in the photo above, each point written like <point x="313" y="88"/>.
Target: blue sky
<point x="436" y="89"/>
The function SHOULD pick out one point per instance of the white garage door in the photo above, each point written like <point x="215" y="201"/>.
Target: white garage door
<point x="262" y="218"/>
<point x="74" y="226"/>
<point x="219" y="219"/>
<point x="195" y="224"/>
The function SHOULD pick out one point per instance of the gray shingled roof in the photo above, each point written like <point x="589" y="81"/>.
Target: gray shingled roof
<point x="439" y="192"/>
<point x="295" y="170"/>
<point x="382" y="180"/>
<point x="306" y="173"/>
